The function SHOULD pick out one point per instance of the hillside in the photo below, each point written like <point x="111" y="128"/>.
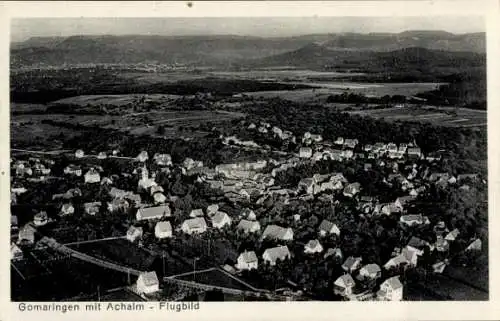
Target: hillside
<point x="228" y="50"/>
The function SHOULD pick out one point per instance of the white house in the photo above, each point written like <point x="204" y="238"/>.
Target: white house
<point x="278" y="233"/>
<point x="159" y="198"/>
<point x="15" y="252"/>
<point x="151" y="213"/>
<point x="343" y="285"/>
<point x="248" y="226"/>
<point x="352" y="189"/>
<point x="134" y="233"/>
<point x="156" y="189"/>
<point x="313" y="246"/>
<point x="40" y="219"/>
<point x="326" y="227"/>
<point x="143" y="156"/>
<point x="452" y="236"/>
<point x="79" y="153"/>
<point x="163" y="229"/>
<point x="272" y="255"/>
<point x="247" y="261"/>
<point x="221" y="219"/>
<point x="351" y="264"/>
<point x="391" y="290"/>
<point x="67" y="209"/>
<point x="370" y="271"/>
<point x="194" y="226"/>
<point x="102" y="155"/>
<point x="212" y="209"/>
<point x="92" y="176"/>
<point x="305" y="152"/>
<point x="148" y="283"/>
<point x="27" y="234"/>
<point x="92" y="208"/>
<point x="196" y="213"/>
<point x="476" y="245"/>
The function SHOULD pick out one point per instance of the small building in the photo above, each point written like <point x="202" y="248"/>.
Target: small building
<point x="212" y="209"/>
<point x="336" y="252"/>
<point x="196" y="213"/>
<point x="92" y="176"/>
<point x="247" y="261"/>
<point x="92" y="208"/>
<point x="27" y="234"/>
<point x="159" y="198"/>
<point x="142" y="157"/>
<point x="391" y="290"/>
<point x="306" y="185"/>
<point x="40" y="219"/>
<point x="102" y="155"/>
<point x="15" y="252"/>
<point x="79" y="153"/>
<point x="106" y="181"/>
<point x="313" y="246"/>
<point x="118" y="204"/>
<point x="413" y="219"/>
<point x="248" y="226"/>
<point x="352" y="189"/>
<point x="350" y="143"/>
<point x="476" y="245"/>
<point x="134" y="233"/>
<point x="278" y="233"/>
<point x="156" y="189"/>
<point x="221" y="219"/>
<point x="344" y="285"/>
<point x="196" y="225"/>
<point x="163" y="230"/>
<point x="439" y="267"/>
<point x="370" y="271"/>
<point x="153" y="213"/>
<point x="67" y="209"/>
<point x="396" y="262"/>
<point x="305" y="152"/>
<point x="452" y="236"/>
<point x="326" y="228"/>
<point x="248" y="214"/>
<point x="275" y="254"/>
<point x="351" y="264"/>
<point x="163" y="159"/>
<point x="148" y="283"/>
<point x="414" y="152"/>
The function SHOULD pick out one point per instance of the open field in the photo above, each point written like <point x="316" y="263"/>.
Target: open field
<point x="438" y="116"/>
<point x="116" y="100"/>
<point x="215" y="277"/>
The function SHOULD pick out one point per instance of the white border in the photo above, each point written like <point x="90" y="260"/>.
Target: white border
<point x="275" y="310"/>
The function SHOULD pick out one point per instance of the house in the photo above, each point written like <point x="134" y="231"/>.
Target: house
<point x="248" y="214"/>
<point x="117" y="193"/>
<point x="344" y="285"/>
<point x="350" y="143"/>
<point x="221" y="219"/>
<point x="411" y="255"/>
<point x="67" y="209"/>
<point x="339" y="141"/>
<point x="370" y="272"/>
<point x="476" y="245"/>
<point x="391" y="147"/>
<point x="40" y="219"/>
<point x="196" y="213"/>
<point x="352" y="189"/>
<point x="159" y="198"/>
<point x="196" y="225"/>
<point x="106" y="181"/>
<point x="248" y="226"/>
<point x="92" y="208"/>
<point x="439" y="267"/>
<point x="391" y="290"/>
<point x="79" y="153"/>
<point x="73" y="170"/>
<point x="278" y="233"/>
<point x="142" y="157"/>
<point x="306" y="185"/>
<point x="152" y="213"/>
<point x="163" y="230"/>
<point x="247" y="261"/>
<point x="118" y="204"/>
<point x="452" y="236"/>
<point x="92" y="176"/>
<point x="163" y="159"/>
<point x="102" y="155"/>
<point x="134" y="233"/>
<point x="313" y="246"/>
<point x="326" y="227"/>
<point x="368" y="148"/>
<point x="416" y="244"/>
<point x="414" y="152"/>
<point x="27" y="234"/>
<point x="396" y="262"/>
<point x="402" y="148"/>
<point x="414" y="219"/>
<point x="15" y="252"/>
<point x="212" y="209"/>
<point x="441" y="245"/>
<point x="351" y="264"/>
<point x="472" y="177"/>
<point x="337" y="253"/>
<point x="368" y="167"/>
<point x="272" y="255"/>
<point x="147" y="283"/>
<point x="156" y="189"/>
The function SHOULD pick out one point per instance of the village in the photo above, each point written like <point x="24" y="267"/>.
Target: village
<point x="322" y="205"/>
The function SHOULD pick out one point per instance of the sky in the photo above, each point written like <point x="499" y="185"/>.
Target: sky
<point x="22" y="29"/>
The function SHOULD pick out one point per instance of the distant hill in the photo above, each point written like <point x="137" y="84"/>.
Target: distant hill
<point x="229" y="50"/>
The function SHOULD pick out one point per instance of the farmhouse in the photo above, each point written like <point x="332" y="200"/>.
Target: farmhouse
<point x="351" y="264"/>
<point x="220" y="219"/>
<point x="163" y="229"/>
<point x="278" y="233"/>
<point x="344" y="285"/>
<point x="194" y="226"/>
<point x="391" y="290"/>
<point x="272" y="255"/>
<point x="148" y="283"/>
<point x="92" y="176"/>
<point x="151" y="213"/>
<point x="247" y="261"/>
<point x="326" y="227"/>
<point x="313" y="246"/>
<point x="134" y="233"/>
<point x="248" y="226"/>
